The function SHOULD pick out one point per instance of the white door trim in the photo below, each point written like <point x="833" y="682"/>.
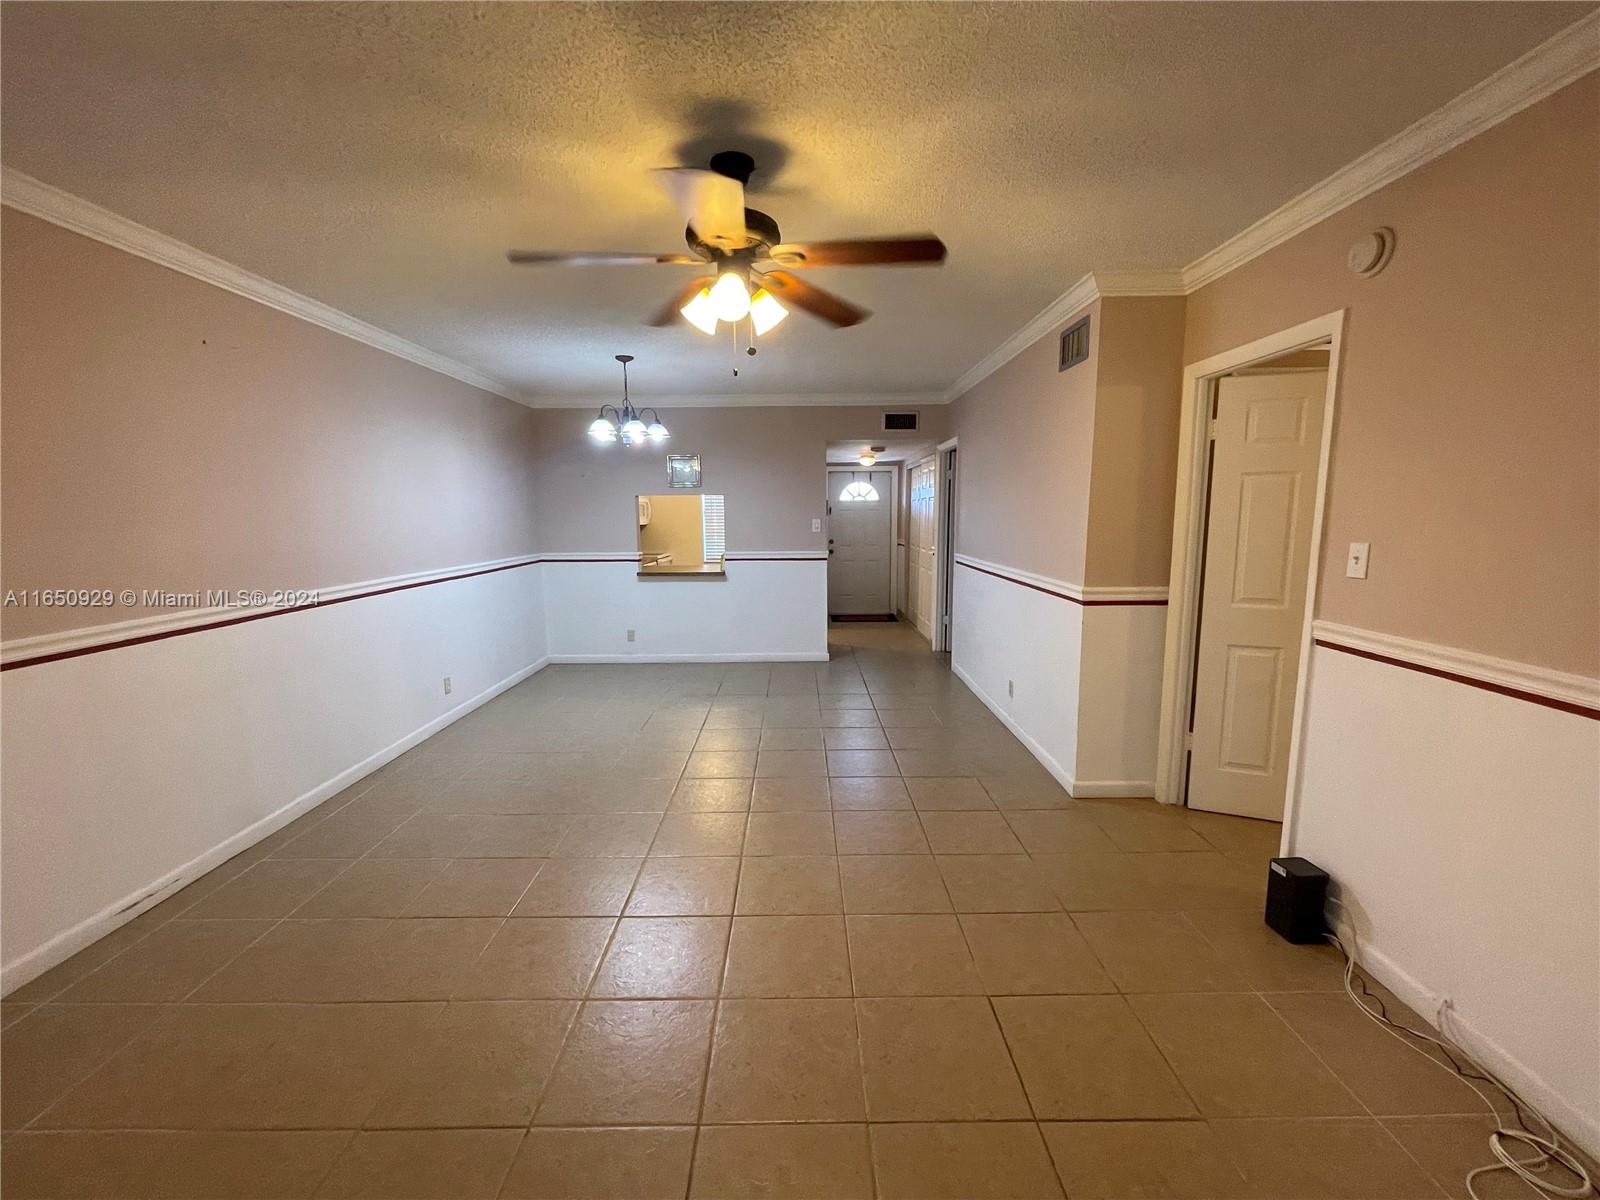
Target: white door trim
<point x="938" y="499"/>
<point x="896" y="568"/>
<point x="1188" y="540"/>
<point x="944" y="559"/>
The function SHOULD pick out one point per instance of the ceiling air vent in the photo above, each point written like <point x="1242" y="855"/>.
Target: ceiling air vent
<point x="1074" y="344"/>
<point x="900" y="422"/>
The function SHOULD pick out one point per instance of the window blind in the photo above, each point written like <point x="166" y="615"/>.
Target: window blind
<point x="714" y="533"/>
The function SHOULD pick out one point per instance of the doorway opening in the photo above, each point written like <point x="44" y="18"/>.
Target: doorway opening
<point x="1255" y="436"/>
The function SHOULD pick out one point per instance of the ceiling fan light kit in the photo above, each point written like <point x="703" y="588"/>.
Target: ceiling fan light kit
<point x="626" y="422"/>
<point x="737" y="244"/>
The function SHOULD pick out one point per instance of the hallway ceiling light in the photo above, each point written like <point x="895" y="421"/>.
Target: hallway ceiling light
<point x="625" y="421"/>
<point x="867" y="458"/>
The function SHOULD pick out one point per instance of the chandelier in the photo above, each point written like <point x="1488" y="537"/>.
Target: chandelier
<point x="625" y="422"/>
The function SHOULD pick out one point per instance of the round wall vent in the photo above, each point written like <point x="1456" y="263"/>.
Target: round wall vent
<point x="1371" y="254"/>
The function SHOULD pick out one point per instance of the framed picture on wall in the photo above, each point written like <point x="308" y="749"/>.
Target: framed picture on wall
<point x="683" y="470"/>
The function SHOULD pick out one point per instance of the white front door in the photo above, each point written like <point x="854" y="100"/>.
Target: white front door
<point x="924" y="521"/>
<point x="860" y="542"/>
<point x="1258" y="546"/>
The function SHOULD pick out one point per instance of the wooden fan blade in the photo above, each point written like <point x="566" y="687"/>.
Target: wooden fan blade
<point x="595" y="258"/>
<point x="861" y="252"/>
<point x="713" y="204"/>
<point x="814" y="300"/>
<point x="669" y="312"/>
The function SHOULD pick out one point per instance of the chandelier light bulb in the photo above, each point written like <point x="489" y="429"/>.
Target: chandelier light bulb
<point x="602" y="430"/>
<point x="658" y="432"/>
<point x="633" y="431"/>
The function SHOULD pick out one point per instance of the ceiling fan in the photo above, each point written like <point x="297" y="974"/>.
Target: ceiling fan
<point x="737" y="244"/>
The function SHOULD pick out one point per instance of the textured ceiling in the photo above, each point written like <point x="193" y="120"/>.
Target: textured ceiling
<point x="381" y="157"/>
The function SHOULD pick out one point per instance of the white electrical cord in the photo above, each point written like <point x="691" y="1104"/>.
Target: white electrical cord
<point x="1547" y="1150"/>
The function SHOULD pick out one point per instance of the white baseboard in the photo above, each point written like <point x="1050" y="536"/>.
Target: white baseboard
<point x="1114" y="789"/>
<point x="64" y="945"/>
<point x="1582" y="1129"/>
<point x="685" y="658"/>
<point x="1061" y="774"/>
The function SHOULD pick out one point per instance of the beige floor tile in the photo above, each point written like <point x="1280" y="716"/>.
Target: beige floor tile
<point x="650" y="764"/>
<point x="535" y="958"/>
<point x="579" y="887"/>
<point x="699" y="834"/>
<point x="948" y="795"/>
<point x="710" y="795"/>
<point x="374" y="888"/>
<point x="630" y="1062"/>
<point x="533" y="836"/>
<point x="124" y="1165"/>
<point x="893" y="883"/>
<point x="611" y="835"/>
<point x="922" y="955"/>
<point x="92" y="957"/>
<point x="981" y="883"/>
<point x="424" y="1164"/>
<point x="1322" y="1160"/>
<point x="1032" y="954"/>
<point x="685" y="887"/>
<point x="57" y="1046"/>
<point x="967" y="1161"/>
<point x="1236" y="833"/>
<point x="790" y="764"/>
<point x="344" y="835"/>
<point x="271" y="888"/>
<point x="724" y="740"/>
<point x="969" y="833"/>
<point x="1449" y="1147"/>
<point x="854" y="739"/>
<point x="783" y="1162"/>
<point x="857" y="714"/>
<point x="663" y="957"/>
<point x="785" y="712"/>
<point x="879" y="833"/>
<point x="1157" y="952"/>
<point x="862" y="763"/>
<point x="1169" y="881"/>
<point x="720" y="764"/>
<point x="353" y="960"/>
<point x="1058" y="831"/>
<point x="1011" y="793"/>
<point x="906" y="716"/>
<point x="249" y="1066"/>
<point x="790" y="795"/>
<point x="791" y="739"/>
<point x="869" y="793"/>
<point x="790" y="833"/>
<point x="1143" y="825"/>
<point x="1132" y="1160"/>
<point x="1386" y="1075"/>
<point x="1086" y="1058"/>
<point x="784" y="1060"/>
<point x="774" y="886"/>
<point x="1237" y="1058"/>
<point x="1264" y="959"/>
<point x="167" y="965"/>
<point x="479" y="1064"/>
<point x="601" y="1164"/>
<point x="937" y="1060"/>
<point x="787" y="956"/>
<point x="476" y="887"/>
<point x="431" y="835"/>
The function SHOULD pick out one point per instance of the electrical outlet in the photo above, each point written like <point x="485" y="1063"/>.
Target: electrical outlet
<point x="816" y="524"/>
<point x="631" y="636"/>
<point x="1011" y="689"/>
<point x="447" y="685"/>
<point x="1355" y="566"/>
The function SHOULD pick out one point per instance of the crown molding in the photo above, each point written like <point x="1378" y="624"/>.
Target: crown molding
<point x="753" y="400"/>
<point x="36" y="198"/>
<point x="1547" y="68"/>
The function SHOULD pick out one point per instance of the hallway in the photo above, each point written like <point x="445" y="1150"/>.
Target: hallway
<point x="808" y="930"/>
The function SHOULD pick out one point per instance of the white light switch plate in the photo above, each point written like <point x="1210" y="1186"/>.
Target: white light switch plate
<point x="1355" y="567"/>
<point x="816" y="524"/>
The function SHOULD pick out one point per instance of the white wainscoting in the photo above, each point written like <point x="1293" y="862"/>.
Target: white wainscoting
<point x="1119" y="702"/>
<point x="130" y="772"/>
<point x="772" y="609"/>
<point x="1461" y="830"/>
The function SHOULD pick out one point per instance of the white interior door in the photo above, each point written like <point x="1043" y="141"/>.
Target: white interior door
<point x="860" y="542"/>
<point x="1268" y="434"/>
<point x="924" y="520"/>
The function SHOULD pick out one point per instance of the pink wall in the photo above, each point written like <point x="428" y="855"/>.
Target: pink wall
<point x="1027" y="436"/>
<point x="1467" y="444"/>
<point x="159" y="432"/>
<point x="769" y="463"/>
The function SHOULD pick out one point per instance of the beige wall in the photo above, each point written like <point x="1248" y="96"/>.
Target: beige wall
<point x="159" y="432"/>
<point x="676" y="528"/>
<point x="1467" y="444"/>
<point x="1027" y="436"/>
<point x="769" y="464"/>
<point x="1138" y="393"/>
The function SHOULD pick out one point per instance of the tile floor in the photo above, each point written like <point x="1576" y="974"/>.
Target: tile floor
<point x="723" y="931"/>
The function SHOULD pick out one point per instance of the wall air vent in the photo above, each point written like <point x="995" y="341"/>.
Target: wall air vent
<point x="1074" y="344"/>
<point x="901" y="422"/>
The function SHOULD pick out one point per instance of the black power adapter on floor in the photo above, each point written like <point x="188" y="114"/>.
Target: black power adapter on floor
<point x="1296" y="892"/>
